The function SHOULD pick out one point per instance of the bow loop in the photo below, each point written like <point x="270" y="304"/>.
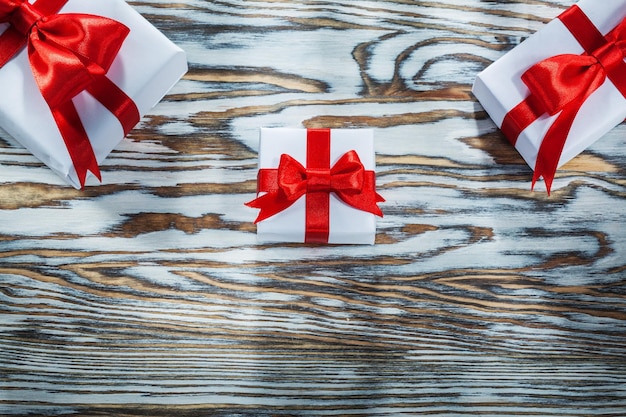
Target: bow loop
<point x="347" y="174"/>
<point x="65" y="47"/>
<point x="557" y="81"/>
<point x="80" y="33"/>
<point x="291" y="177"/>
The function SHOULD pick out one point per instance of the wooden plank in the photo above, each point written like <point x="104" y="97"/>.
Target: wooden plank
<point x="149" y="295"/>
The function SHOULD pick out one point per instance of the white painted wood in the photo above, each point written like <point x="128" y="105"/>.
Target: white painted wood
<point x="149" y="295"/>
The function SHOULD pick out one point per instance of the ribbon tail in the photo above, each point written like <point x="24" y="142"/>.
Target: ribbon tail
<point x="552" y="146"/>
<point x="520" y="117"/>
<point x="76" y="141"/>
<point x="366" y="201"/>
<point x="270" y="204"/>
<point x="115" y="100"/>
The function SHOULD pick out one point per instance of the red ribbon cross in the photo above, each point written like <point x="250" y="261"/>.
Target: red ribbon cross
<point x="561" y="84"/>
<point x="69" y="53"/>
<point x="347" y="179"/>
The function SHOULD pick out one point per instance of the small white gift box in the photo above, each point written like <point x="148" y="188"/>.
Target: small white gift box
<point x="145" y="69"/>
<point x="500" y="88"/>
<point x="345" y="224"/>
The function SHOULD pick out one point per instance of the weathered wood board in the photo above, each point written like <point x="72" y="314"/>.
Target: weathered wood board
<point x="148" y="294"/>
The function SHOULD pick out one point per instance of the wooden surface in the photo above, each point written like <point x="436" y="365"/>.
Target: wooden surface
<point x="149" y="295"/>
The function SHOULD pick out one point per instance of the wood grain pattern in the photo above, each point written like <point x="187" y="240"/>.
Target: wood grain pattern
<point x="149" y="295"/>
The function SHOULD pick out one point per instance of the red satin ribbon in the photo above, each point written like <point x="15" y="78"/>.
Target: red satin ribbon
<point x="68" y="54"/>
<point x="561" y="84"/>
<point x="348" y="179"/>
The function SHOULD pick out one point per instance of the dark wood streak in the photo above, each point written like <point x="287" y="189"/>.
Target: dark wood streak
<point x="148" y="295"/>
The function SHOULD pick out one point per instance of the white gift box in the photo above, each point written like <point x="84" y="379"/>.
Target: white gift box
<point x="347" y="225"/>
<point x="499" y="87"/>
<point x="146" y="68"/>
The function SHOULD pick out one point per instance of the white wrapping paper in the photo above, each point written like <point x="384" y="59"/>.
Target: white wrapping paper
<point x="347" y="224"/>
<point x="146" y="68"/>
<point x="499" y="87"/>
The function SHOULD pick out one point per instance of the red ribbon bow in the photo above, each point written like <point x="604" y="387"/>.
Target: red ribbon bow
<point x="561" y="84"/>
<point x="347" y="179"/>
<point x="68" y="54"/>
